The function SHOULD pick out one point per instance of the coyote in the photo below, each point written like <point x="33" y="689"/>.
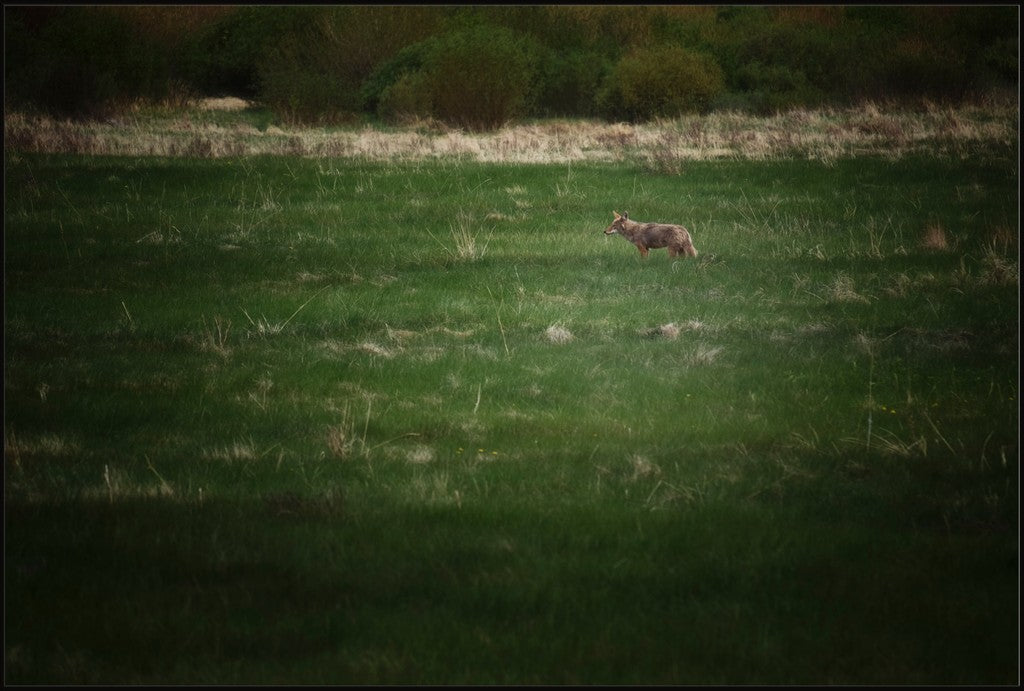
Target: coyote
<point x="649" y="236"/>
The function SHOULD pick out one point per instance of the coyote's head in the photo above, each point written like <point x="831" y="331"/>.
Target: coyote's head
<point x="618" y="224"/>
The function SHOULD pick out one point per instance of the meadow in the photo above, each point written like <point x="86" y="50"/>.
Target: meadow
<point x="356" y="419"/>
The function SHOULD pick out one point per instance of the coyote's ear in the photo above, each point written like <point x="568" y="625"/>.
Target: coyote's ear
<point x="625" y="215"/>
<point x="616" y="213"/>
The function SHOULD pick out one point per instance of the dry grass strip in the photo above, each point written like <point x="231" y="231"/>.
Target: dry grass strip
<point x="824" y="134"/>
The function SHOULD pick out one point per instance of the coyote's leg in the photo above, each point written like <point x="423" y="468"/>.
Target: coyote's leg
<point x="673" y="251"/>
<point x="643" y="250"/>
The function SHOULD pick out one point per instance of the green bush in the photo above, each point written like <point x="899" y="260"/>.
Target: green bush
<point x="406" y="98"/>
<point x="568" y="82"/>
<point x="222" y="57"/>
<point x="661" y="81"/>
<point x="781" y="61"/>
<point x="563" y="83"/>
<point x="481" y="77"/>
<point x="317" y="72"/>
<point x="772" y="88"/>
<point x="307" y="76"/>
<point x="406" y="67"/>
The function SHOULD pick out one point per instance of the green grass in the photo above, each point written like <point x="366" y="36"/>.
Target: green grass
<point x="280" y="420"/>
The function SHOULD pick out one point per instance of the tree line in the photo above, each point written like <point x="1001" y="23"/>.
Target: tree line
<point x="482" y="66"/>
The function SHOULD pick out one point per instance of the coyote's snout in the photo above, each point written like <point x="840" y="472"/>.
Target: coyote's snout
<point x="650" y="236"/>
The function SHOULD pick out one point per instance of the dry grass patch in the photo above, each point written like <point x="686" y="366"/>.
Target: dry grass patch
<point x="900" y="286"/>
<point x="558" y="334"/>
<point x="498" y="216"/>
<point x="935" y="238"/>
<point x="643" y="467"/>
<point x="464" y="244"/>
<point x="842" y="289"/>
<point x="399" y="335"/>
<point x="1003" y="238"/>
<point x="344" y="437"/>
<point x="997" y="269"/>
<point x="451" y="332"/>
<point x="704" y="355"/>
<point x="241" y="451"/>
<point x="226" y="103"/>
<point x="46" y="446"/>
<point x="340" y="441"/>
<point x="214" y="337"/>
<point x="376" y="350"/>
<point x="307" y="277"/>
<point x="419" y="454"/>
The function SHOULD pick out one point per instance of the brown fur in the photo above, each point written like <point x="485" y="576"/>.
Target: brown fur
<point x="649" y="236"/>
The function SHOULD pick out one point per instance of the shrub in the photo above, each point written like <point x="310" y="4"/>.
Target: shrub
<point x="409" y="97"/>
<point x="307" y="77"/>
<point x="568" y="82"/>
<point x="661" y="81"/>
<point x="481" y="77"/>
<point x="407" y="67"/>
<point x="562" y="82"/>
<point x="779" y="57"/>
<point x="772" y="88"/>
<point x="477" y="76"/>
<point x="222" y="57"/>
<point x="317" y="72"/>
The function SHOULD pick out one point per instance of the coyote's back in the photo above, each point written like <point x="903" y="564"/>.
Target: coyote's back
<point x="649" y="236"/>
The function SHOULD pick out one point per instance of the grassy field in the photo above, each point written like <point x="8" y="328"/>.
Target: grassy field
<point x="284" y="419"/>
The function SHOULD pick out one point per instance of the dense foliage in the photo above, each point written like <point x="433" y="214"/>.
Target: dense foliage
<point x="480" y="66"/>
<point x="663" y="80"/>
